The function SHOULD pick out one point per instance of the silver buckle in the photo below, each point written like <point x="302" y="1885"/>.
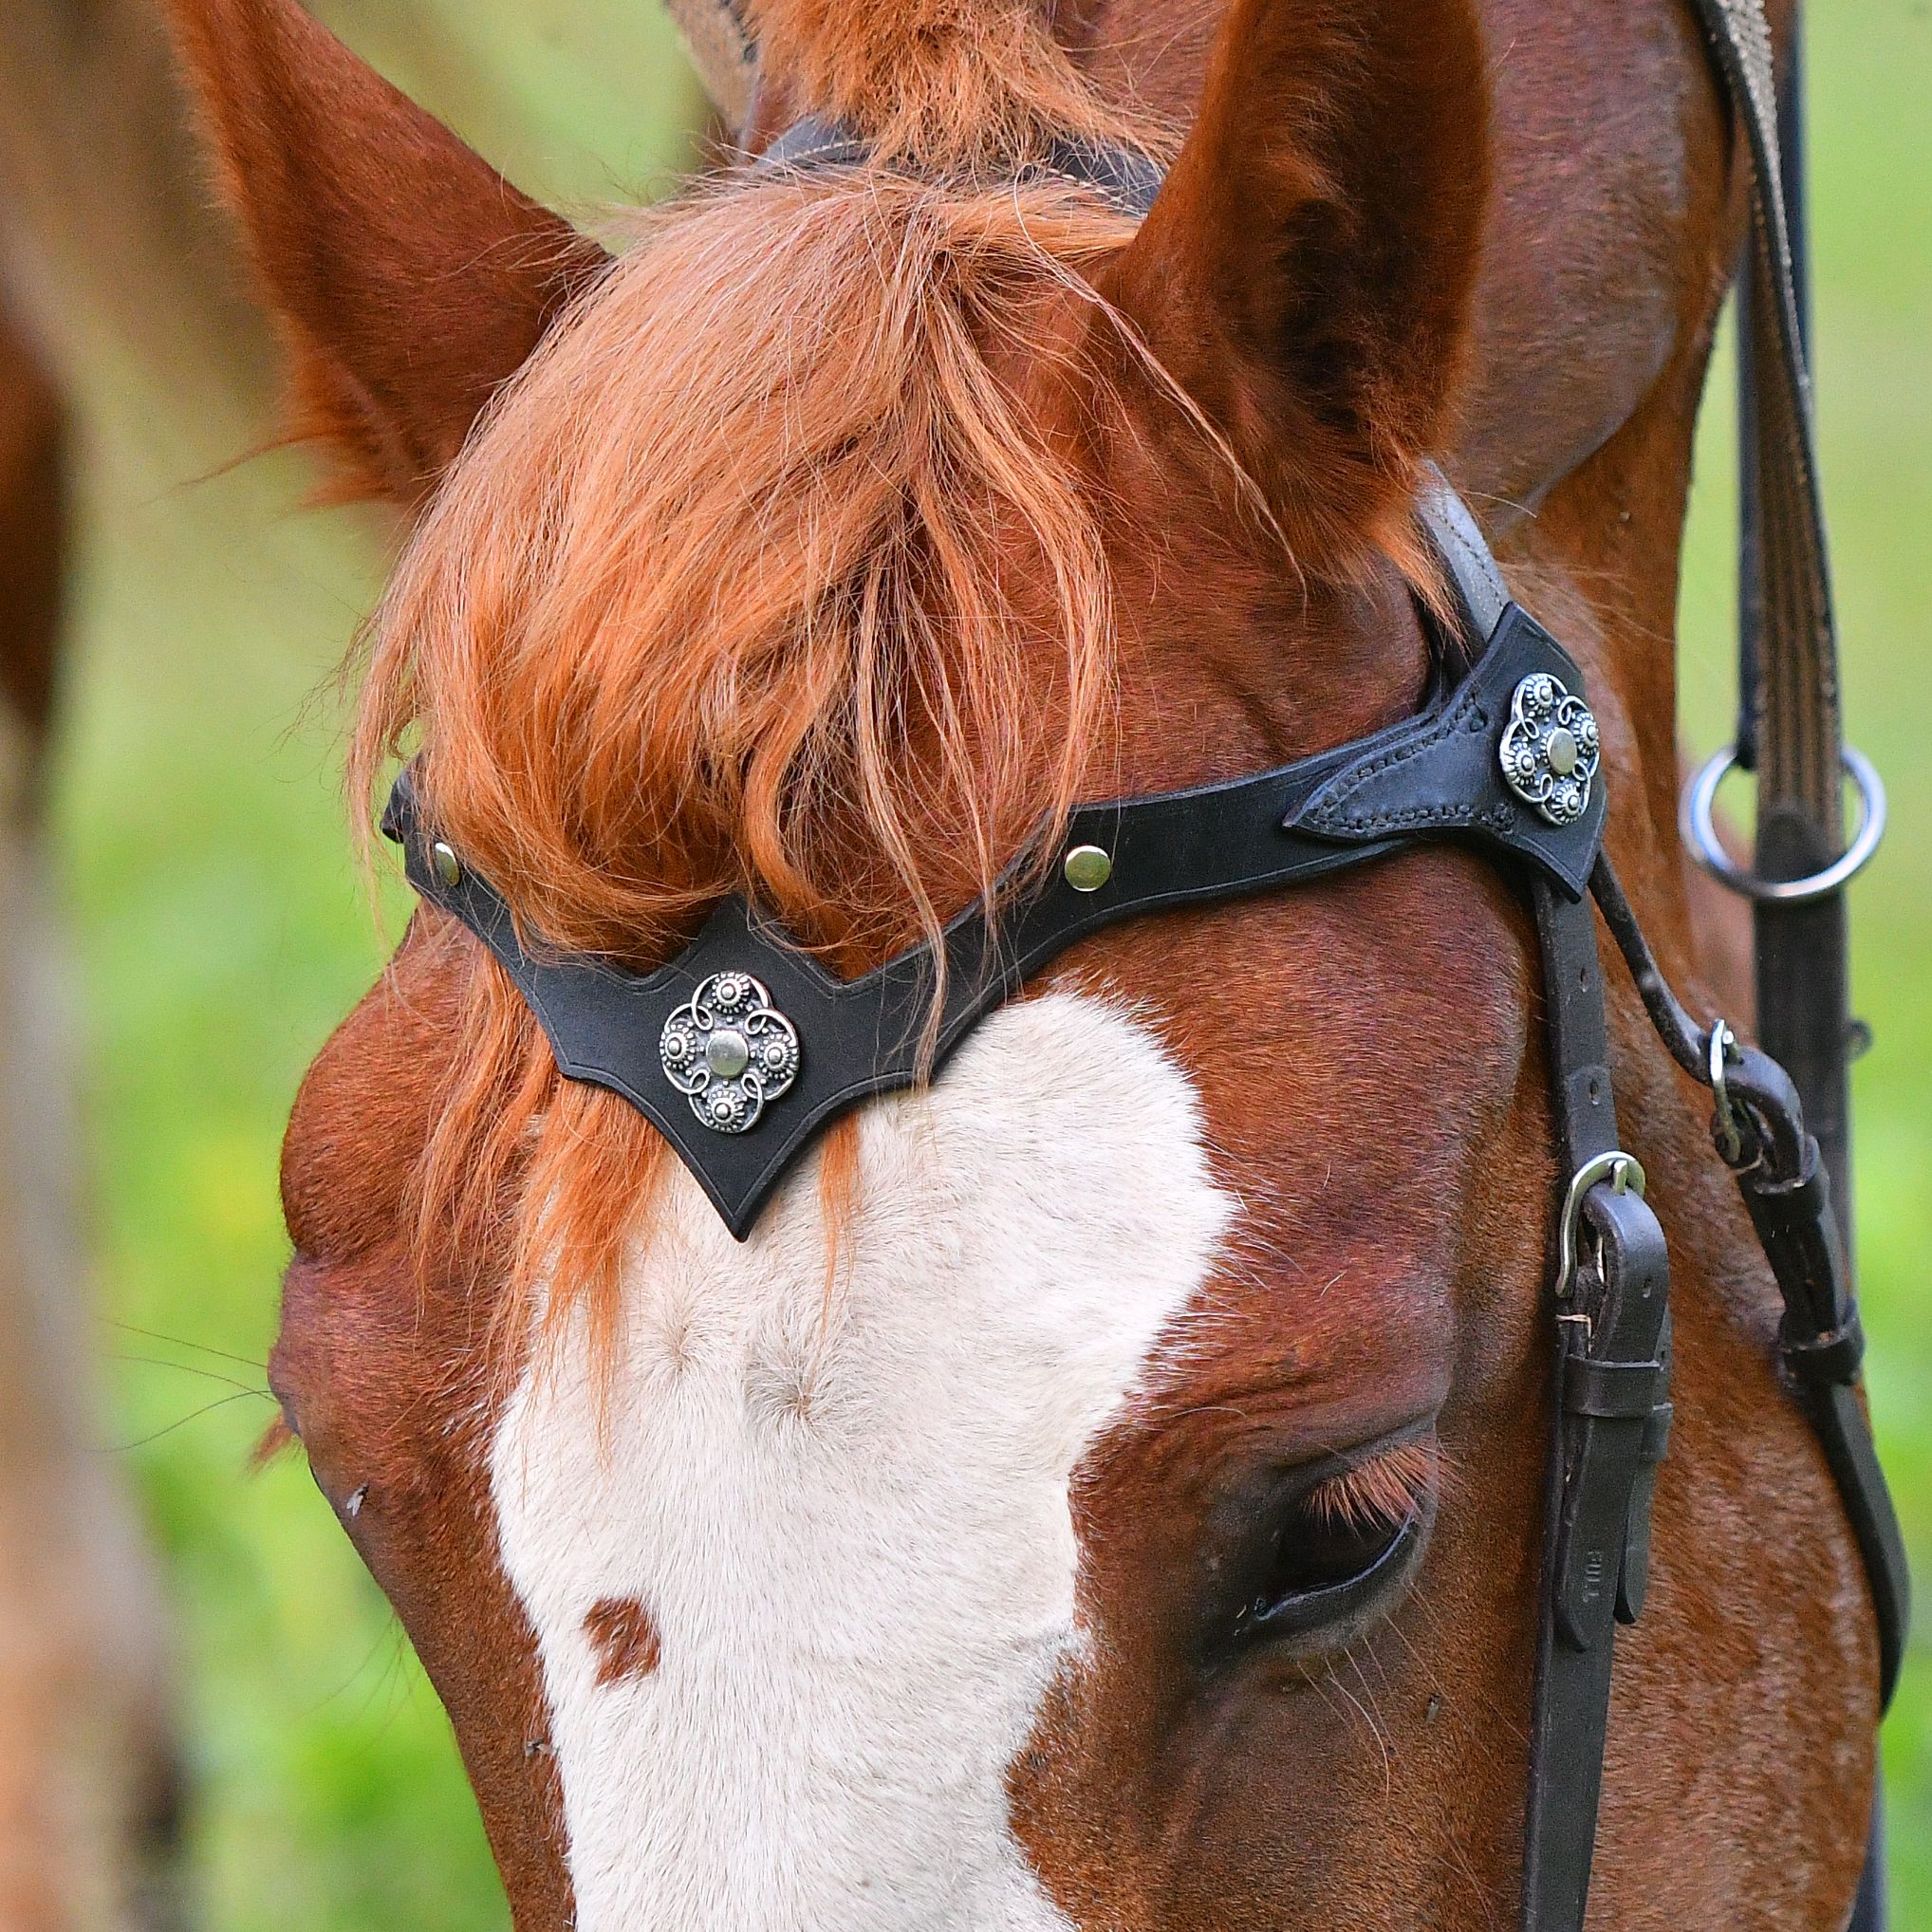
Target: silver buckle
<point x="1700" y="834"/>
<point x="1723" y="1054"/>
<point x="1625" y="1173"/>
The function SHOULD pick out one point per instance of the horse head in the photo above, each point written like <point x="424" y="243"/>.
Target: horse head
<point x="1105" y="1488"/>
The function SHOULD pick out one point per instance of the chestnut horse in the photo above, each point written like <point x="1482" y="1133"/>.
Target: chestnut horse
<point x="88" y="1770"/>
<point x="898" y="1568"/>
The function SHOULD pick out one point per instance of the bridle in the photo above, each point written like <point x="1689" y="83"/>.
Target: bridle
<point x="743" y="1049"/>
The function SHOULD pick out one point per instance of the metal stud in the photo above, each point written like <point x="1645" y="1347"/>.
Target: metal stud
<point x="448" y="867"/>
<point x="1087" y="869"/>
<point x="1550" y="749"/>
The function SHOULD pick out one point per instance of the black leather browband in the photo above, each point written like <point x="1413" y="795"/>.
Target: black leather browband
<point x="1435" y="775"/>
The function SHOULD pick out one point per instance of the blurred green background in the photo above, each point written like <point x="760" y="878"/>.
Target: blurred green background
<point x="222" y="932"/>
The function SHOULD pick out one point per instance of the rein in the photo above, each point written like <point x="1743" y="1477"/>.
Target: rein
<point x="1790" y="728"/>
<point x="741" y="1050"/>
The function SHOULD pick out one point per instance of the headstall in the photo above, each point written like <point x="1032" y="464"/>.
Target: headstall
<point x="742" y="1049"/>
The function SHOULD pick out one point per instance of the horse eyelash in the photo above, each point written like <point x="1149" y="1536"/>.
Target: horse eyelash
<point x="1386" y="1489"/>
<point x="278" y="1438"/>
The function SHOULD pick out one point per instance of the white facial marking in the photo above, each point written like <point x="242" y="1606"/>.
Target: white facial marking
<point x="849" y="1522"/>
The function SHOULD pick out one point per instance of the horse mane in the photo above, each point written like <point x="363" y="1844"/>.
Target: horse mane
<point x="938" y="82"/>
<point x="758" y="579"/>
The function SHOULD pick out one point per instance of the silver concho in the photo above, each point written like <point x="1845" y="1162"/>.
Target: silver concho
<point x="729" y="1049"/>
<point x="1550" y="750"/>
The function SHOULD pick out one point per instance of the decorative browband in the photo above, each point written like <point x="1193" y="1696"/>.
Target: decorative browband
<point x="742" y="1048"/>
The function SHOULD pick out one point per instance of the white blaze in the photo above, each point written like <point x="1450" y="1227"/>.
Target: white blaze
<point x="851" y="1524"/>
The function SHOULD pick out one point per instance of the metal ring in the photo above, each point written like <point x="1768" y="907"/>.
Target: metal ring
<point x="1625" y="1172"/>
<point x="1700" y="834"/>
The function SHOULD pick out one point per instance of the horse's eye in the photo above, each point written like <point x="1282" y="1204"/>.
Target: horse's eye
<point x="1326" y="1564"/>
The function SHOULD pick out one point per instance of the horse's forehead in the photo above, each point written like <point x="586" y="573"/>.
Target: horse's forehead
<point x="802" y="1576"/>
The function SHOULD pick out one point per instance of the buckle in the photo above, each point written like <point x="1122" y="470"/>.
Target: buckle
<point x="1625" y="1173"/>
<point x="1723" y="1054"/>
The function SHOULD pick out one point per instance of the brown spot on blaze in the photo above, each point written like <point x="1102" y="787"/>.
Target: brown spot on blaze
<point x="625" y="1638"/>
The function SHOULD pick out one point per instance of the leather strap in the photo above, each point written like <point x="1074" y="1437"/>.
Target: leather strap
<point x="1796" y="724"/>
<point x="1787" y="1190"/>
<point x="1789" y="727"/>
<point x="1610" y="1426"/>
<point x="1126" y="176"/>
<point x="1430" y="776"/>
<point x="1464" y="554"/>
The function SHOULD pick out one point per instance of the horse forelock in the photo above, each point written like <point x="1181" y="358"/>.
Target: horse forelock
<point x="762" y="577"/>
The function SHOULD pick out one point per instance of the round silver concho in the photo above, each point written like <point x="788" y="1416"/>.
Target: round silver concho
<point x="730" y="1050"/>
<point x="1550" y="750"/>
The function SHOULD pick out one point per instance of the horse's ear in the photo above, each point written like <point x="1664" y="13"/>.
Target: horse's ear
<point x="410" y="280"/>
<point x="1307" y="270"/>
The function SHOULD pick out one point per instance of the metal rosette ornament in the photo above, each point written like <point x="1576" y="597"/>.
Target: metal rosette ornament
<point x="730" y="1051"/>
<point x="1549" y="750"/>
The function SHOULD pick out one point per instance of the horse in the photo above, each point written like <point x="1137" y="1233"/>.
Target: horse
<point x="104" y="242"/>
<point x="1105" y="1488"/>
<point x="89" y="1783"/>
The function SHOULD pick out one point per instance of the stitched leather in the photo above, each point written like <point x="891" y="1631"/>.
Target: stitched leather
<point x="1445" y="775"/>
<point x="868" y="1036"/>
<point x="1787" y="1190"/>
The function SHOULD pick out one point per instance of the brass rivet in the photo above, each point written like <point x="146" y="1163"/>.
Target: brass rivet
<point x="1087" y="869"/>
<point x="448" y="867"/>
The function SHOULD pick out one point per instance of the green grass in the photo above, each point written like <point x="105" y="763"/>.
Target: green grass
<point x="222" y="931"/>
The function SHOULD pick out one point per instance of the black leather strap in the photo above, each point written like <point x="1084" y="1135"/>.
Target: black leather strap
<point x="1790" y="726"/>
<point x="1464" y="555"/>
<point x="1610" y="1427"/>
<point x="1431" y="776"/>
<point x="1126" y="176"/>
<point x="1787" y="1190"/>
<point x="866" y="1036"/>
<point x="1443" y="774"/>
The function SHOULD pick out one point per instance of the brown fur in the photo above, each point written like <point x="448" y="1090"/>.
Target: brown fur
<point x="393" y="406"/>
<point x="626" y="1639"/>
<point x="935" y="82"/>
<point x="1380" y="1114"/>
<point x="34" y="537"/>
<point x="1363" y="157"/>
